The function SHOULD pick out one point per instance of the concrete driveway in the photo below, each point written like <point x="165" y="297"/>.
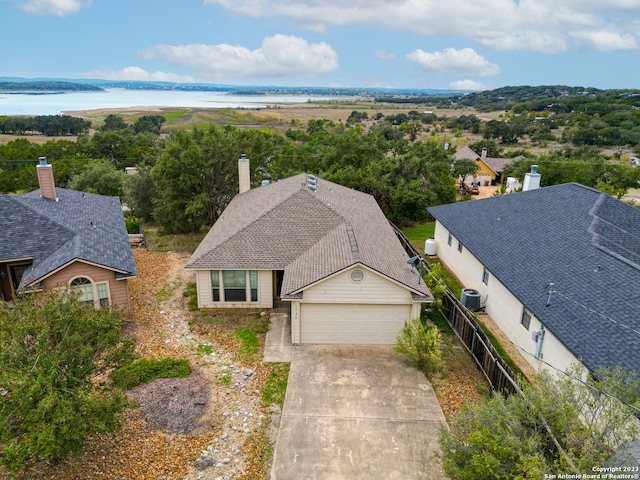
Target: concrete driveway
<point x="354" y="412"/>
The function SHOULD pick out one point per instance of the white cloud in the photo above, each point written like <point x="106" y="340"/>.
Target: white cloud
<point x="546" y="26"/>
<point x="605" y="41"/>
<point x="468" y="85"/>
<point x="137" y="73"/>
<point x="58" y="8"/>
<point x="278" y="56"/>
<point x="465" y="62"/>
<point x="382" y="55"/>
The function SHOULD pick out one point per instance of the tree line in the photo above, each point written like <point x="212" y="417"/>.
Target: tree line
<point x="48" y="125"/>
<point x="187" y="177"/>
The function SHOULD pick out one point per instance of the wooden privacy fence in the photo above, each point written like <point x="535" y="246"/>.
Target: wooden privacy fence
<point x="500" y="376"/>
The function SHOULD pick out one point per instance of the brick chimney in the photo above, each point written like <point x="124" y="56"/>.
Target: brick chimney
<point x="45" y="180"/>
<point x="244" y="174"/>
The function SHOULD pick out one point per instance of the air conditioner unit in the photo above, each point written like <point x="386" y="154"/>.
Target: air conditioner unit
<point x="470" y="298"/>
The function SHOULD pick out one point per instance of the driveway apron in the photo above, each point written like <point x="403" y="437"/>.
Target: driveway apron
<point x="357" y="412"/>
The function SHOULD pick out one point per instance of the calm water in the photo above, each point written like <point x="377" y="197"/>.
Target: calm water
<point x="53" y="104"/>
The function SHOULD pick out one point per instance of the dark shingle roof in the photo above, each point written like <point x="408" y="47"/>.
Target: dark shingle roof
<point x="309" y="235"/>
<point x="79" y="226"/>
<point x="584" y="242"/>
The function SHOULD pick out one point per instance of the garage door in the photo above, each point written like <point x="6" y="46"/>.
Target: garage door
<point x="352" y="323"/>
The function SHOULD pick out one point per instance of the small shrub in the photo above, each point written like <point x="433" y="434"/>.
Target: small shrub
<point x="420" y="344"/>
<point x="133" y="224"/>
<point x="205" y="349"/>
<point x="146" y="370"/>
<point x="192" y="293"/>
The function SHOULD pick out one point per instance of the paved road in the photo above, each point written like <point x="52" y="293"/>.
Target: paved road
<point x="357" y="413"/>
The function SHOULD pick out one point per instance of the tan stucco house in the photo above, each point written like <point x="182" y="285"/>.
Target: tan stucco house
<point x="54" y="237"/>
<point x="557" y="269"/>
<point x="325" y="248"/>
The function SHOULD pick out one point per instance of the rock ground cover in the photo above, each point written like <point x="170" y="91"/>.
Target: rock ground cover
<point x="212" y="425"/>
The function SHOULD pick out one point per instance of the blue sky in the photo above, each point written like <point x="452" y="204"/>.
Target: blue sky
<point x="441" y="44"/>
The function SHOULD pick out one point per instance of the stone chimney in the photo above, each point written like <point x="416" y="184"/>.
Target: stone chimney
<point x="45" y="180"/>
<point x="484" y="153"/>
<point x="244" y="174"/>
<point x="531" y="179"/>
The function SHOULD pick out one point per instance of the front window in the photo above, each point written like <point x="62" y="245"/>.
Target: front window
<point x="89" y="293"/>
<point x="84" y="288"/>
<point x="215" y="285"/>
<point x="253" y="280"/>
<point x="234" y="285"/>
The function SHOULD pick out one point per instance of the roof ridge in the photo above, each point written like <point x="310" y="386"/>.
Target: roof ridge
<point x="40" y="214"/>
<point x="245" y="227"/>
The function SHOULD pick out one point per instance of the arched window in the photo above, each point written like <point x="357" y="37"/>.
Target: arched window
<point x="96" y="295"/>
<point x="84" y="287"/>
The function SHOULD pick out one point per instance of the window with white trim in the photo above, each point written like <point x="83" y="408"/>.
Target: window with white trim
<point x="234" y="285"/>
<point x="485" y="276"/>
<point x="460" y="247"/>
<point x="90" y="293"/>
<point x="450" y="239"/>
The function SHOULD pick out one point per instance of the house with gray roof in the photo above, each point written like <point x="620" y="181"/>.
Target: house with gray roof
<point x="54" y="237"/>
<point x="327" y="249"/>
<point x="557" y="269"/>
<point x="490" y="169"/>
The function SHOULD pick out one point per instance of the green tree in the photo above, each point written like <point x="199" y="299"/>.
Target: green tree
<point x="52" y="353"/>
<point x="99" y="177"/>
<point x="560" y="424"/>
<point x="113" y="122"/>
<point x="464" y="167"/>
<point x="140" y="193"/>
<point x="196" y="175"/>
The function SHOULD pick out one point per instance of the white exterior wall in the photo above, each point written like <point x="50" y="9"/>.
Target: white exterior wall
<point x="501" y="305"/>
<point x="373" y="289"/>
<point x="205" y="293"/>
<point x="295" y="323"/>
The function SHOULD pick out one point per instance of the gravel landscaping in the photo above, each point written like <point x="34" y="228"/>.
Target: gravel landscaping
<point x="211" y="425"/>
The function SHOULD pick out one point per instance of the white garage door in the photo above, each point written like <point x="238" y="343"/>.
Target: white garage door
<point x="352" y="324"/>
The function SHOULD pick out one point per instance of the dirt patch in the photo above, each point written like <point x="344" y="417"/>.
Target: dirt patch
<point x="175" y="404"/>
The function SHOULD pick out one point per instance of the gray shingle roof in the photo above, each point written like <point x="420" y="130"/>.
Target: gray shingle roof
<point x="584" y="242"/>
<point x="309" y="235"/>
<point x="79" y="226"/>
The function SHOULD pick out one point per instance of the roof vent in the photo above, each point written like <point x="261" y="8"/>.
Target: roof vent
<point x="356" y="275"/>
<point x="312" y="183"/>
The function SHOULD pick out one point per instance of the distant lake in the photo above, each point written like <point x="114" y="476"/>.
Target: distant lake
<point x="52" y="104"/>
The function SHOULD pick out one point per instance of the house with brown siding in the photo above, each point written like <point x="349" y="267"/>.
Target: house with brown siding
<point x="54" y="237"/>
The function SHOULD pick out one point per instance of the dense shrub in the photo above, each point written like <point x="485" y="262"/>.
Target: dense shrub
<point x="146" y="370"/>
<point x="421" y="344"/>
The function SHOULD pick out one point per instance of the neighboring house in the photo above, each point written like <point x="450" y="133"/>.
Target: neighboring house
<point x="325" y="248"/>
<point x="559" y="267"/>
<point x="491" y="168"/>
<point x="53" y="237"/>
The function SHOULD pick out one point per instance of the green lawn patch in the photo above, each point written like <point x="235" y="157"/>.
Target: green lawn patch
<point x="276" y="385"/>
<point x="250" y="345"/>
<point x="419" y="233"/>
